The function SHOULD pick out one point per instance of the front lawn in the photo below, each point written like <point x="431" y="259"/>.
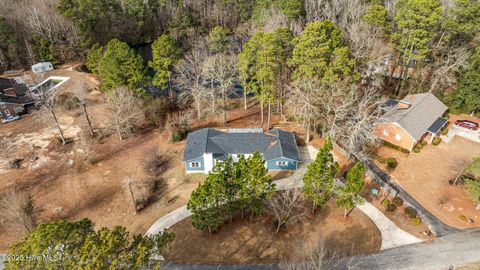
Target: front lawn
<point x="255" y="241"/>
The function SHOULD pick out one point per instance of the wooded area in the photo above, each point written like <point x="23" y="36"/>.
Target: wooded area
<point x="322" y="63"/>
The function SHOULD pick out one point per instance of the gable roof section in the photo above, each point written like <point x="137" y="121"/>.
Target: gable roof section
<point x="424" y="110"/>
<point x="276" y="144"/>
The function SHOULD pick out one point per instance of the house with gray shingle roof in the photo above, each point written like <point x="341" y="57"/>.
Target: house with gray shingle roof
<point x="208" y="146"/>
<point x="408" y="121"/>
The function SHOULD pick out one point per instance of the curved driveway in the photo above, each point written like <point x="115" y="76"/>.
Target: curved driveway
<point x="392" y="236"/>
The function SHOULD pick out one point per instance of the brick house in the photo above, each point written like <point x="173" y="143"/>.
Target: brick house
<point x="408" y="121"/>
<point x="13" y="98"/>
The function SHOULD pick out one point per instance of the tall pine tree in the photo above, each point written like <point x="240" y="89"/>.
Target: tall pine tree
<point x="319" y="179"/>
<point x="348" y="195"/>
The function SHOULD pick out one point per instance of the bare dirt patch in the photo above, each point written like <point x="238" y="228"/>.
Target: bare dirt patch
<point x="426" y="176"/>
<point x="255" y="241"/>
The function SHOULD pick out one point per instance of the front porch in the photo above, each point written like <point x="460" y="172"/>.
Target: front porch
<point x="434" y="130"/>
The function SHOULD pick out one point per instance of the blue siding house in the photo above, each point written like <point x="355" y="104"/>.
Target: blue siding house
<point x="207" y="146"/>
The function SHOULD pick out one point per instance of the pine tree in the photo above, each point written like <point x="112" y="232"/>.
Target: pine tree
<point x="121" y="66"/>
<point x="258" y="183"/>
<point x="218" y="39"/>
<point x="206" y="201"/>
<point x="467" y="97"/>
<point x="319" y="179"/>
<point x="262" y="64"/>
<point x="348" y="195"/>
<point x="94" y="56"/>
<point x="320" y="53"/>
<point x="166" y="53"/>
<point x="417" y="22"/>
<point x="76" y="245"/>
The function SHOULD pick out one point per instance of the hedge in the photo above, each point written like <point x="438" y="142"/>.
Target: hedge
<point x="397" y="201"/>
<point x="416" y="221"/>
<point x="410" y="212"/>
<point x="391" y="162"/>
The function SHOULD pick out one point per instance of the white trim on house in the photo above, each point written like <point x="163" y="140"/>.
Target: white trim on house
<point x="208" y="162"/>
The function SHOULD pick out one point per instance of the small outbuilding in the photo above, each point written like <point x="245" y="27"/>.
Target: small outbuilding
<point x="42" y="67"/>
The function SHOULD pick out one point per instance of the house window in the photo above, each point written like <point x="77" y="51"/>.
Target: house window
<point x="195" y="164"/>
<point x="18" y="110"/>
<point x="398" y="137"/>
<point x="386" y="132"/>
<point x="282" y="163"/>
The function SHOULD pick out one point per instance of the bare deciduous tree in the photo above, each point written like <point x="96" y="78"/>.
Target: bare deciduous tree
<point x="221" y="71"/>
<point x="18" y="210"/>
<point x="126" y="110"/>
<point x="445" y="66"/>
<point x="303" y="102"/>
<point x="190" y="78"/>
<point x="46" y="99"/>
<point x="287" y="207"/>
<point x="350" y="112"/>
<point x="346" y="111"/>
<point x="318" y="257"/>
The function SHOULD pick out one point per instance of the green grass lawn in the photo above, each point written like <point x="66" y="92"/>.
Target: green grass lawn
<point x="474" y="169"/>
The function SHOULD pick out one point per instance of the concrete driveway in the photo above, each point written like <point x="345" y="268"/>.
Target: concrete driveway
<point x="473" y="135"/>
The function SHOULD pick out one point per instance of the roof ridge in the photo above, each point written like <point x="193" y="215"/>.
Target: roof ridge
<point x="414" y="106"/>
<point x="280" y="142"/>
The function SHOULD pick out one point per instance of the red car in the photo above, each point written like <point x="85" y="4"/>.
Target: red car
<point x="467" y="124"/>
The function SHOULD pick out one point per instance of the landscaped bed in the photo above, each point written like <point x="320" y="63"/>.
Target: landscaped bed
<point x="254" y="240"/>
<point x="398" y="215"/>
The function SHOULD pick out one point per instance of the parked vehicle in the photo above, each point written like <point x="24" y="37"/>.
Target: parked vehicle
<point x="467" y="124"/>
<point x="10" y="119"/>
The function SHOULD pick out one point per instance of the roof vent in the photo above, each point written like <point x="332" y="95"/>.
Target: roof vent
<point x="403" y="105"/>
<point x="245" y="130"/>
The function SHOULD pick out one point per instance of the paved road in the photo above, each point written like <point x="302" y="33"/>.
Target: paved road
<point x="454" y="250"/>
<point x="436" y="225"/>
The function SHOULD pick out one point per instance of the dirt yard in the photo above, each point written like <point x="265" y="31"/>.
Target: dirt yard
<point x="426" y="176"/>
<point x="255" y="241"/>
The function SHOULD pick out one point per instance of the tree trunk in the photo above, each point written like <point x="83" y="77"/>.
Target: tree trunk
<point x="350" y="211"/>
<point x="199" y="110"/>
<point x="308" y="130"/>
<point x="261" y="114"/>
<point x="269" y="115"/>
<point x="92" y="134"/>
<point x="278" y="227"/>
<point x="345" y="213"/>
<point x="245" y="99"/>
<point x="58" y="126"/>
<point x="224" y="107"/>
<point x="170" y="91"/>
<point x="117" y="124"/>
